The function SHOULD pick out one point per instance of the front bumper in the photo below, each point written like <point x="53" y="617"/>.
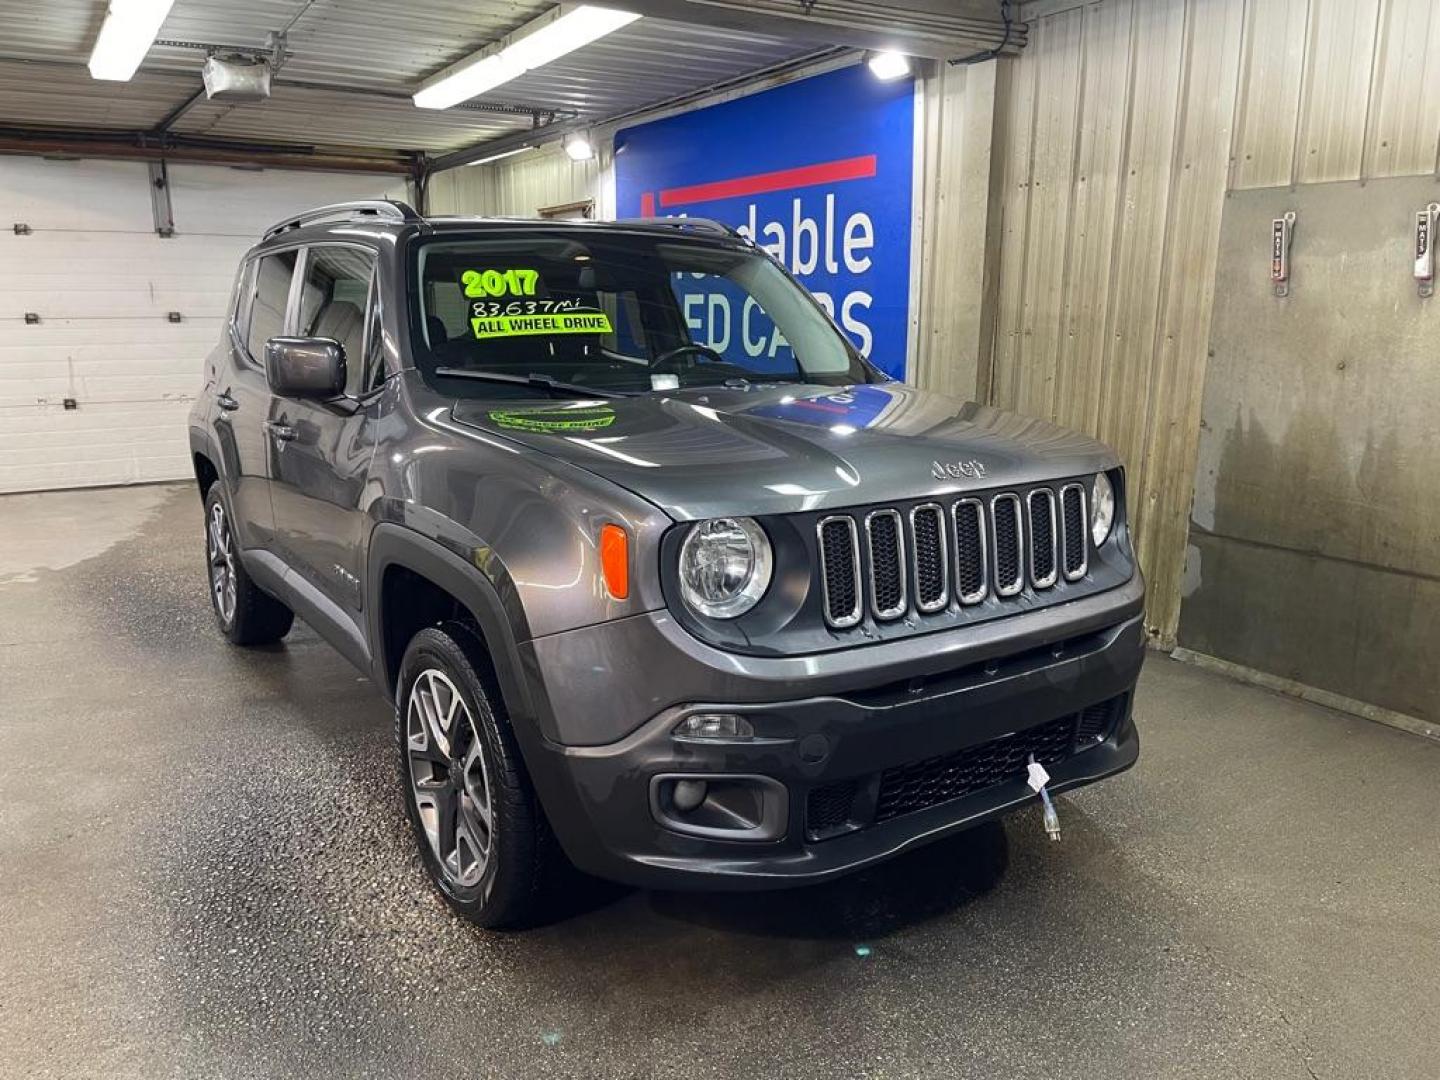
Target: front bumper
<point x="851" y="772"/>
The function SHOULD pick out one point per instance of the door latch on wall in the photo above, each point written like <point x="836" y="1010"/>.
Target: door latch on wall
<point x="1282" y="232"/>
<point x="1425" y="249"/>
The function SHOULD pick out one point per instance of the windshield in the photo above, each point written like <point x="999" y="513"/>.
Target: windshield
<point x="527" y="314"/>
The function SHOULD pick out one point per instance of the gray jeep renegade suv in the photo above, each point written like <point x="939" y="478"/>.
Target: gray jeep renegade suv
<point x="665" y="580"/>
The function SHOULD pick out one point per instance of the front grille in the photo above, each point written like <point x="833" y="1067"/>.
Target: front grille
<point x="918" y="785"/>
<point x="931" y="569"/>
<point x="1041" y="507"/>
<point x="840" y="570"/>
<point x="1009" y="571"/>
<point x="886" y="543"/>
<point x="918" y="561"/>
<point x="1074" y="521"/>
<point x="971" y="578"/>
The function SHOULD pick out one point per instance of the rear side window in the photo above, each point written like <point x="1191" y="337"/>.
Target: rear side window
<point x="272" y="296"/>
<point x="240" y="302"/>
<point x="332" y="304"/>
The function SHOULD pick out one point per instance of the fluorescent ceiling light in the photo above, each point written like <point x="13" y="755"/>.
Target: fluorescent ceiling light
<point x="126" y="36"/>
<point x="578" y="147"/>
<point x="499" y="156"/>
<point x="888" y="66"/>
<point x="560" y="31"/>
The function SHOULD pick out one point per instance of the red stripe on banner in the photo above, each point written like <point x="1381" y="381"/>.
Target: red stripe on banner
<point x="827" y="172"/>
<point x="647" y="204"/>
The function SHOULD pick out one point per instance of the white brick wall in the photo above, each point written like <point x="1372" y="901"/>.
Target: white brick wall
<point x="103" y="284"/>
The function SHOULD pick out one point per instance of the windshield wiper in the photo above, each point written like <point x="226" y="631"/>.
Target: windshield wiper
<point x="540" y="382"/>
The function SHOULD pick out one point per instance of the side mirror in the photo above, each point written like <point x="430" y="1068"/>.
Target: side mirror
<point x="301" y="367"/>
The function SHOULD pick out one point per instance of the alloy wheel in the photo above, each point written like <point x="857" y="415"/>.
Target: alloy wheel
<point x="449" y="779"/>
<point x="221" y="547"/>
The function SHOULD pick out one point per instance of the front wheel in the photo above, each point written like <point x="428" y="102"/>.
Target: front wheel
<point x="481" y="833"/>
<point x="247" y="615"/>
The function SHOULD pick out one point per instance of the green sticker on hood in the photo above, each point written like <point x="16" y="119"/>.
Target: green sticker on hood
<point x="587" y="418"/>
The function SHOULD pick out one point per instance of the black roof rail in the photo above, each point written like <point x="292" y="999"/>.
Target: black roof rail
<point x="703" y="224"/>
<point x="391" y="209"/>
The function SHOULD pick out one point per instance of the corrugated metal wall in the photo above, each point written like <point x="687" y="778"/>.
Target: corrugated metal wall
<point x="954" y="319"/>
<point x="524" y="185"/>
<point x="1127" y="120"/>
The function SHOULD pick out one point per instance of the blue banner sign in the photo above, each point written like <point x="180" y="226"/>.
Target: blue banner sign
<point x="819" y="173"/>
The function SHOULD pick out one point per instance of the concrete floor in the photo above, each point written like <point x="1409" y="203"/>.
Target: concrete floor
<point x="204" y="871"/>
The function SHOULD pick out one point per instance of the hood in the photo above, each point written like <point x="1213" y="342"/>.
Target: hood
<point x="762" y="450"/>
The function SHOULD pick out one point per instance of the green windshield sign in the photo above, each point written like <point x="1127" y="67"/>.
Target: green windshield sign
<point x="501" y="326"/>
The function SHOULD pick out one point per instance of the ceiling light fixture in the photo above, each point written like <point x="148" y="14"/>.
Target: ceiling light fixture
<point x="888" y="66"/>
<point x="501" y="155"/>
<point x="126" y="36"/>
<point x="560" y="31"/>
<point x="578" y="146"/>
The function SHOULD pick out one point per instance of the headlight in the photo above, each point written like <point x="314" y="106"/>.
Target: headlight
<point x="724" y="567"/>
<point x="1102" y="509"/>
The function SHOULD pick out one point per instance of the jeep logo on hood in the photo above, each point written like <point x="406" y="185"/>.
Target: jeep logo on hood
<point x="955" y="470"/>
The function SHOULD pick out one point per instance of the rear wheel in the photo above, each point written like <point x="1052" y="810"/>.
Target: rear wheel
<point x="247" y="615"/>
<point x="481" y="833"/>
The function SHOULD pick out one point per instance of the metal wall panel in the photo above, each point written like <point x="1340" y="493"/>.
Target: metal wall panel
<point x="1276" y="34"/>
<point x="1119" y="128"/>
<point x="1096" y="215"/>
<point x="957" y="196"/>
<point x="1110" y="233"/>
<point x="1337" y="90"/>
<point x="1405" y="115"/>
<point x="1187" y="290"/>
<point x="1335" y="102"/>
<point x="521" y="186"/>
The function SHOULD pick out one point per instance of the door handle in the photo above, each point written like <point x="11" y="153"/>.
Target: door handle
<point x="226" y="402"/>
<point x="283" y="432"/>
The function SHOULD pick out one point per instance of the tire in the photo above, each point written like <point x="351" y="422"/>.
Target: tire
<point x="246" y="615"/>
<point x="506" y="874"/>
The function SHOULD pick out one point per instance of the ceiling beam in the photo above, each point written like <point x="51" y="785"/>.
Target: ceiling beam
<point x="150" y="146"/>
<point x="397" y="96"/>
<point x="933" y="29"/>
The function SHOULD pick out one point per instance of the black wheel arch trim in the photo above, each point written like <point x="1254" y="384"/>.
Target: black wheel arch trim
<point x="394" y="545"/>
<point x="202" y="445"/>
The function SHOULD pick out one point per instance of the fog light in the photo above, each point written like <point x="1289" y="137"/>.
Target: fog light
<point x="715" y="726"/>
<point x="688" y="794"/>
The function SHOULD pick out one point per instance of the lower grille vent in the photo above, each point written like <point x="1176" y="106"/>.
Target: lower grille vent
<point x="855" y="802"/>
<point x="936" y="780"/>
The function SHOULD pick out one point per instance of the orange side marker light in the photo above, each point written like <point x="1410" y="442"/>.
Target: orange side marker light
<point x="615" y="560"/>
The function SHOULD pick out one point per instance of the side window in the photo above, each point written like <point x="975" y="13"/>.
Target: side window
<point x="374" y="342"/>
<point x="267" y="309"/>
<point x="240" y="302"/>
<point x="332" y="304"/>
